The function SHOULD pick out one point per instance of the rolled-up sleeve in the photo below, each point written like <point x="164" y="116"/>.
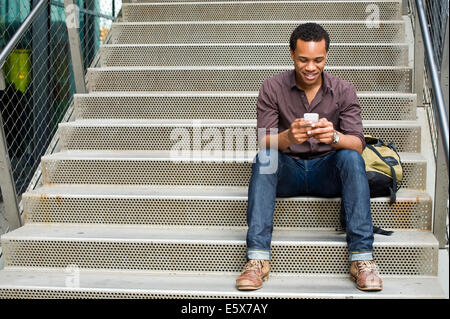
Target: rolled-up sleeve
<point x="267" y="108"/>
<point x="350" y="116"/>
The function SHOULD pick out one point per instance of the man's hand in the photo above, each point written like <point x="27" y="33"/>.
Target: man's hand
<point x="322" y="131"/>
<point x="301" y="130"/>
<point x="298" y="132"/>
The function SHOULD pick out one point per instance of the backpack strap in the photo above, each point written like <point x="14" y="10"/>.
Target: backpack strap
<point x="378" y="230"/>
<point x="393" y="147"/>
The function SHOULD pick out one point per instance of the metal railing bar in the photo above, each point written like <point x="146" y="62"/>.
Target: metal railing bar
<point x="434" y="74"/>
<point x="22" y="29"/>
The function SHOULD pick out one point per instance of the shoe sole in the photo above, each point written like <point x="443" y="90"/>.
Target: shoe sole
<point x="265" y="278"/>
<point x="375" y="288"/>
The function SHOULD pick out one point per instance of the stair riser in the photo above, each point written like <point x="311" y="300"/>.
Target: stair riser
<point x="229" y="79"/>
<point x="258" y="32"/>
<point x="262" y="11"/>
<point x="30" y="293"/>
<point x="176" y="172"/>
<point x="290" y="213"/>
<point x="163" y="1"/>
<point x="407" y="139"/>
<point x="338" y="55"/>
<point x="211" y="256"/>
<point x="219" y="107"/>
<point x="121" y="284"/>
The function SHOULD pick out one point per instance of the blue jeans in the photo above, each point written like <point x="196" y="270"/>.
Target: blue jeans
<point x="341" y="173"/>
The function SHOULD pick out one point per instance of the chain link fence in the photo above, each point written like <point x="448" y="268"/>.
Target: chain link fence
<point x="437" y="15"/>
<point x="37" y="81"/>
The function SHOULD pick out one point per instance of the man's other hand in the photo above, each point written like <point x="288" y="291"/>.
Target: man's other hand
<point x="322" y="131"/>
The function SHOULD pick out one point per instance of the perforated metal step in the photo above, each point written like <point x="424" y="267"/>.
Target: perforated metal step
<point x="251" y="32"/>
<point x="176" y="168"/>
<point x="340" y="54"/>
<point x="206" y="206"/>
<point x="33" y="283"/>
<point x="259" y="10"/>
<point x="146" y="79"/>
<point x="223" y="105"/>
<point x="214" y="134"/>
<point x="208" y="249"/>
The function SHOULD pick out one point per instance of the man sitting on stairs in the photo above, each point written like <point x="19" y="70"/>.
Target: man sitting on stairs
<point x="317" y="159"/>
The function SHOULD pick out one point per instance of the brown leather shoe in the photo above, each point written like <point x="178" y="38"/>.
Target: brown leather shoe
<point x="364" y="273"/>
<point x="253" y="275"/>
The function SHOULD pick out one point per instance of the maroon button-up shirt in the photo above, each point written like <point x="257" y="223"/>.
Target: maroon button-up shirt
<point x="280" y="102"/>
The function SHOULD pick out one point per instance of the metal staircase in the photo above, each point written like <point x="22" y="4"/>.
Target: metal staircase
<point x="120" y="214"/>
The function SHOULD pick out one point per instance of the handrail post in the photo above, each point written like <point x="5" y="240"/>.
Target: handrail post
<point x="440" y="195"/>
<point x="441" y="187"/>
<point x="444" y="67"/>
<point x="419" y="60"/>
<point x="7" y="184"/>
<point x="73" y="25"/>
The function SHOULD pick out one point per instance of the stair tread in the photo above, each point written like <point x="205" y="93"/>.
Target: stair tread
<point x="126" y="45"/>
<point x="157" y="3"/>
<point x="238" y="67"/>
<point x="216" y="192"/>
<point x="208" y="122"/>
<point x="213" y="285"/>
<point x="205" y="235"/>
<point x="216" y="93"/>
<point x="362" y="22"/>
<point x="166" y="155"/>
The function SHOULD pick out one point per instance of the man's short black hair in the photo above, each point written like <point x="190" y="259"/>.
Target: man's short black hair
<point x="309" y="32"/>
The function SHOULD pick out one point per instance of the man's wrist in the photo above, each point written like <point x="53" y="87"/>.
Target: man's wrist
<point x="290" y="138"/>
<point x="284" y="140"/>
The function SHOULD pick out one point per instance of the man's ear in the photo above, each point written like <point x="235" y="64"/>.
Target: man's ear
<point x="292" y="54"/>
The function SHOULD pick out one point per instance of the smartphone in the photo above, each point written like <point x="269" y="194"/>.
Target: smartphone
<point x="311" y="117"/>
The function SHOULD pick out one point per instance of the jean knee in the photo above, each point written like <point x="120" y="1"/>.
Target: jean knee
<point x="351" y="159"/>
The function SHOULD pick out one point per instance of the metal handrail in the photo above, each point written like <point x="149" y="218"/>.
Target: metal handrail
<point x="22" y="29"/>
<point x="439" y="97"/>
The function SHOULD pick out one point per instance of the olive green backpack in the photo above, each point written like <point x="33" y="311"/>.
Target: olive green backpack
<point x="384" y="171"/>
<point x="383" y="167"/>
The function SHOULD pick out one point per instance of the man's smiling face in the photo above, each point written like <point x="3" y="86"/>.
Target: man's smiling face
<point x="309" y="61"/>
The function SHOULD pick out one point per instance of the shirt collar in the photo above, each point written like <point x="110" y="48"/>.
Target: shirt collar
<point x="326" y="82"/>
